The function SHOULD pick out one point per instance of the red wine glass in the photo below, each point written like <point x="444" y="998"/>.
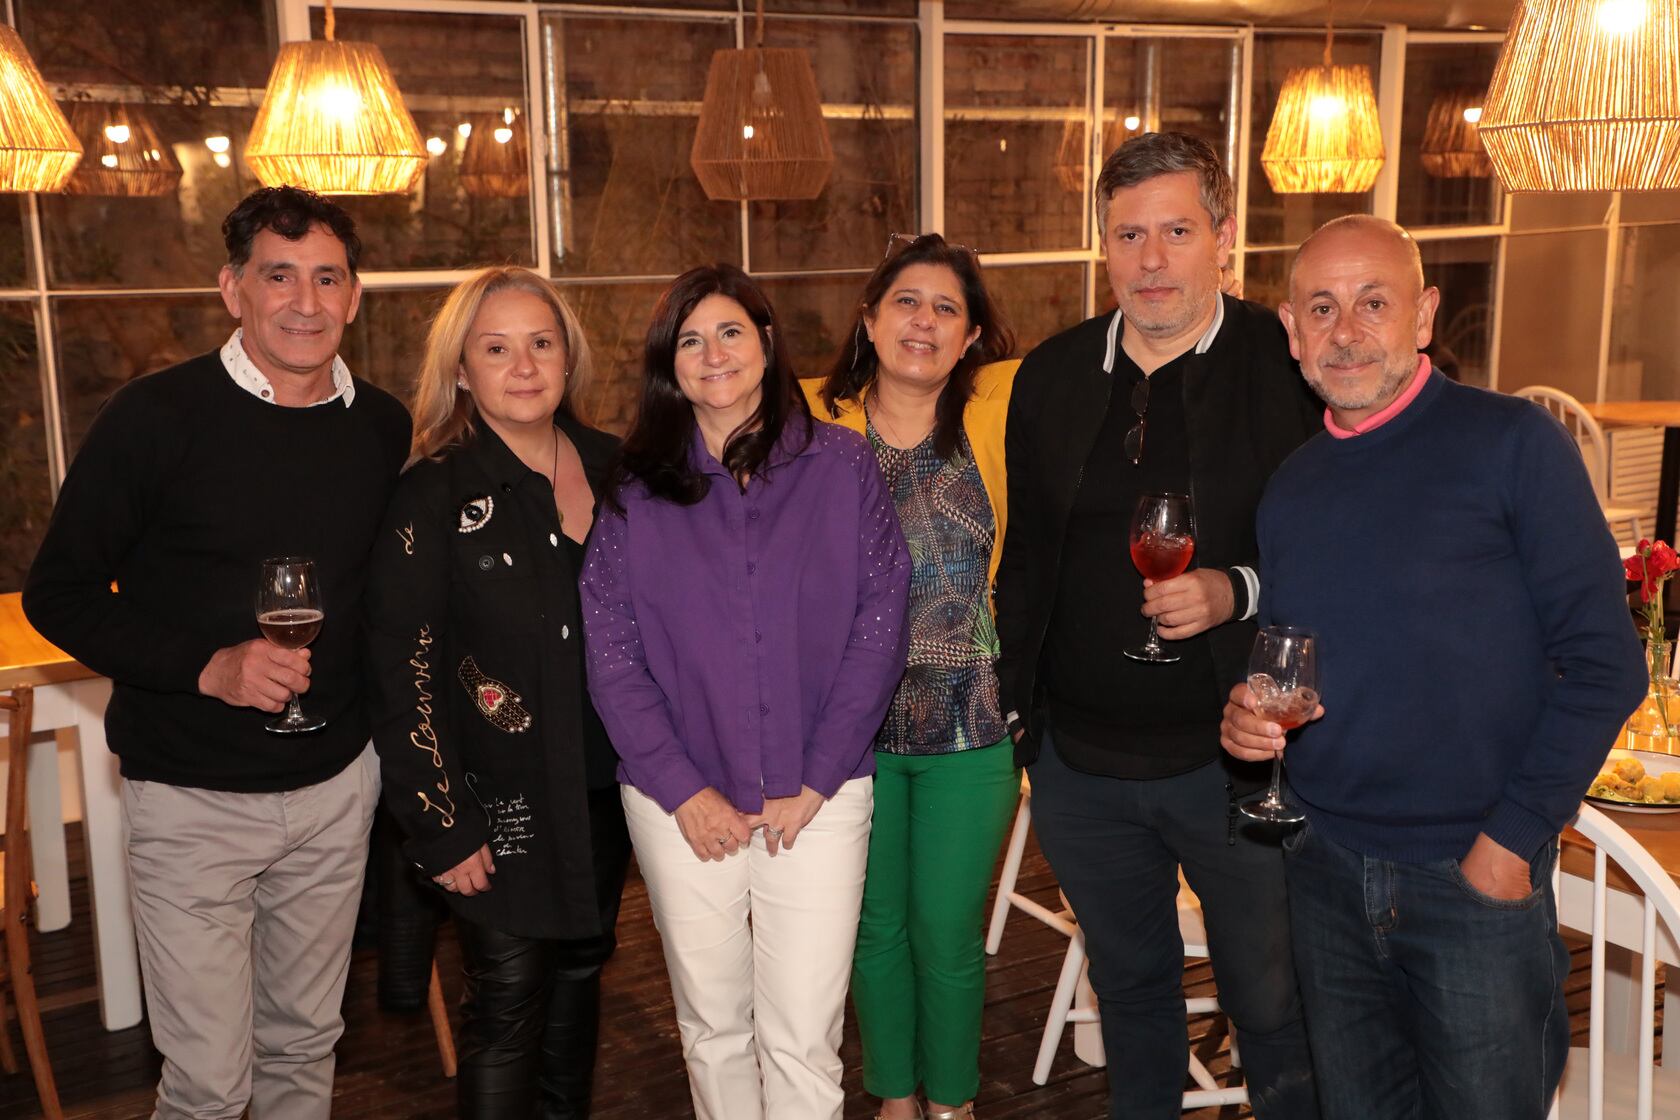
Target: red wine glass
<point x="1163" y="539"/>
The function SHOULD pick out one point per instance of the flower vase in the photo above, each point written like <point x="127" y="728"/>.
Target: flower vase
<point x="1646" y="727"/>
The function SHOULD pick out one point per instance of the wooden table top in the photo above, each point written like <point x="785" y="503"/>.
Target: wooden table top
<point x="1632" y="414"/>
<point x="28" y="658"/>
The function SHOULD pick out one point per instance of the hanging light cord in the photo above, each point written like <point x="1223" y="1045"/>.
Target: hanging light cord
<point x="329" y="21"/>
<point x="1329" y="27"/>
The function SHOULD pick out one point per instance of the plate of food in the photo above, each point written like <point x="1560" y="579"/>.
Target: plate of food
<point x="1638" y="782"/>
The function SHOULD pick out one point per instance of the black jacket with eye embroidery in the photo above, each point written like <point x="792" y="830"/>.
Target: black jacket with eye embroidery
<point x="480" y="714"/>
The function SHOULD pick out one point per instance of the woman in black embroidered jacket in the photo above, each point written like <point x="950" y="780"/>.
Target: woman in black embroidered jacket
<point x="494" y="761"/>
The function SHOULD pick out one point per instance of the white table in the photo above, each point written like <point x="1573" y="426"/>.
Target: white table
<point x="70" y="702"/>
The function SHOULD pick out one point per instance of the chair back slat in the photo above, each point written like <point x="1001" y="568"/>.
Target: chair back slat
<point x="1658" y="912"/>
<point x="1588" y="435"/>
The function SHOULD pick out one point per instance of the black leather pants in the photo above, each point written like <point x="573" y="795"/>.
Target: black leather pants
<point x="531" y="1009"/>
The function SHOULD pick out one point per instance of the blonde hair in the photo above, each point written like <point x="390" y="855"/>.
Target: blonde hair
<point x="444" y="413"/>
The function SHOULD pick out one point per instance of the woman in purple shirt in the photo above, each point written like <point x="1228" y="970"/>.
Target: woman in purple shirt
<point x="743" y="605"/>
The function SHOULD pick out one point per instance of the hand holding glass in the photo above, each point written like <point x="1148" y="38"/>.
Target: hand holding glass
<point x="1283" y="679"/>
<point x="1163" y="539"/>
<point x="289" y="614"/>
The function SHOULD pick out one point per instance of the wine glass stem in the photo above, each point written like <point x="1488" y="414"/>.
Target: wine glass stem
<point x="1275" y="797"/>
<point x="1154" y="642"/>
<point x="294" y="713"/>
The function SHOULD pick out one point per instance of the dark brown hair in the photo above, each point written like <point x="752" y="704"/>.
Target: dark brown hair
<point x="290" y="212"/>
<point x="857" y="364"/>
<point x="1166" y="153"/>
<point x="656" y="451"/>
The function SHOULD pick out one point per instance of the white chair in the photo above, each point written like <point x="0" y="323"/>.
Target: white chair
<point x="1059" y="920"/>
<point x="1595" y="450"/>
<point x="1597" y="1084"/>
<point x="1074" y="1003"/>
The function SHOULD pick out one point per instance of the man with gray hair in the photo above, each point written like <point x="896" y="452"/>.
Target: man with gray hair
<point x="1476" y="670"/>
<point x="1182" y="390"/>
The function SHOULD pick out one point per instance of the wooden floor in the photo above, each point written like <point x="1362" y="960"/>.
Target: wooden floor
<point x="388" y="1064"/>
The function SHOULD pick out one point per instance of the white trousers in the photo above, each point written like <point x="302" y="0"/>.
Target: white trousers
<point x="759" y="950"/>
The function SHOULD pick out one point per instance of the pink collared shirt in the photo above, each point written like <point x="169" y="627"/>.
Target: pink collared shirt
<point x="1395" y="407"/>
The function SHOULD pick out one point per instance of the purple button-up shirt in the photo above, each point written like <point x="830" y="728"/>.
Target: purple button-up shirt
<point x="750" y="642"/>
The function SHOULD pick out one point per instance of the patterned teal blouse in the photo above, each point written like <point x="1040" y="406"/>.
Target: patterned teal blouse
<point x="948" y="699"/>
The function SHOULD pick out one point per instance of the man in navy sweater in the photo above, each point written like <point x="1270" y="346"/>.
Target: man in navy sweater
<point x="1476" y="660"/>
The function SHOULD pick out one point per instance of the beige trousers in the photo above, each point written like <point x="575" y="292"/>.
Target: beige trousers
<point x="760" y="953"/>
<point x="244" y="904"/>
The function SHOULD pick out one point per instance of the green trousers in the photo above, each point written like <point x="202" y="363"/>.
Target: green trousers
<point x="919" y="973"/>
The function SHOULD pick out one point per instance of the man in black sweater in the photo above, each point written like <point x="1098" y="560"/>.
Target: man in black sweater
<point x="1188" y="391"/>
<point x="245" y="848"/>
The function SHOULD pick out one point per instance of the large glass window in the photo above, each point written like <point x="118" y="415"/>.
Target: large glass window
<point x="866" y="76"/>
<point x="463" y="78"/>
<point x="386" y="342"/>
<point x="1039" y="300"/>
<point x="23" y="446"/>
<point x="1445" y="176"/>
<point x="1464" y="270"/>
<point x="187" y="89"/>
<point x="1286" y="219"/>
<point x="14" y="256"/>
<point x="816" y="312"/>
<point x="1152" y="84"/>
<point x="615" y="320"/>
<point x="1016" y="121"/>
<point x="623" y="110"/>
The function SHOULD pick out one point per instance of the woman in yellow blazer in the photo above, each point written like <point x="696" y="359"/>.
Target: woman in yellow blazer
<point x="922" y="376"/>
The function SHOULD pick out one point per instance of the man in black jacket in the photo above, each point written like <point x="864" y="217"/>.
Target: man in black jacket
<point x="1180" y="390"/>
<point x="245" y="848"/>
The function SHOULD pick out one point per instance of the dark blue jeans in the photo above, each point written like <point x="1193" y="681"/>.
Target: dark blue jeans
<point x="1426" y="999"/>
<point x="1116" y="846"/>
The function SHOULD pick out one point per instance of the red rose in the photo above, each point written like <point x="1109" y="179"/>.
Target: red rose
<point x="1634" y="568"/>
<point x="1663" y="559"/>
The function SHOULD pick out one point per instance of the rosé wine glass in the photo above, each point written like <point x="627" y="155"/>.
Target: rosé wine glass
<point x="1283" y="677"/>
<point x="1163" y="539"/>
<point x="289" y="615"/>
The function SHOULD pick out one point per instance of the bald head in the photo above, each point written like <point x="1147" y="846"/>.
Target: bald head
<point x="1366" y="231"/>
<point x="1358" y="312"/>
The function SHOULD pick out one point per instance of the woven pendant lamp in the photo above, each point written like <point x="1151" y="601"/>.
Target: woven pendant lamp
<point x="123" y="155"/>
<point x="38" y="150"/>
<point x="332" y="120"/>
<point x="761" y="133"/>
<point x="1586" y="97"/>
<point x="497" y="159"/>
<point x="1324" y="137"/>
<point x="1452" y="146"/>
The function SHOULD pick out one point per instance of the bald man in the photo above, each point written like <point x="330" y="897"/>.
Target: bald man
<point x="1477" y="659"/>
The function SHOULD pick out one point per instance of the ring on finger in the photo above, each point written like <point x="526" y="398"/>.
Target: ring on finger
<point x="774" y="831"/>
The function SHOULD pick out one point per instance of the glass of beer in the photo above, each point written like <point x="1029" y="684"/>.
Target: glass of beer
<point x="1163" y="538"/>
<point x="289" y="615"/>
<point x="1283" y="678"/>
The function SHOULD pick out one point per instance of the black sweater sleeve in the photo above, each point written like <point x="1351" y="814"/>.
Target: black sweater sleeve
<point x="409" y="706"/>
<point x="103" y="510"/>
<point x="1014" y="566"/>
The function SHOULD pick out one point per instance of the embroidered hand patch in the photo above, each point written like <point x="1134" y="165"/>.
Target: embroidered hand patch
<point x="496" y="701"/>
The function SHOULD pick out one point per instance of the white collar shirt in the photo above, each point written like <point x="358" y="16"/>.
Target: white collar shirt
<point x="247" y="376"/>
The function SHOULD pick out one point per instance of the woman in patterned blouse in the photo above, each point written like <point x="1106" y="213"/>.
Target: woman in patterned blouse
<point x="914" y="379"/>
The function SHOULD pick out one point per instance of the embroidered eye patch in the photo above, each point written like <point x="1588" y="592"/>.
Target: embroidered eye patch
<point x="475" y="513"/>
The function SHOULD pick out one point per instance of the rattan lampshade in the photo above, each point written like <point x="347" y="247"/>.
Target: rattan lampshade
<point x="1452" y="146"/>
<point x="38" y="150"/>
<point x="332" y="120"/>
<point x="761" y="132"/>
<point x="123" y="153"/>
<point x="497" y="159"/>
<point x="1586" y="97"/>
<point x="1324" y="137"/>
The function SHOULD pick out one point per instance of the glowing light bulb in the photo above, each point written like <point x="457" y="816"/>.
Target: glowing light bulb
<point x="465" y="129"/>
<point x="503" y="134"/>
<point x="222" y="159"/>
<point x="108" y="160"/>
<point x="216" y="143"/>
<point x="507" y="116"/>
<point x="1003" y="145"/>
<point x="1326" y="107"/>
<point x="117" y="133"/>
<point x="1473" y="115"/>
<point x="746" y="132"/>
<point x="1132" y="123"/>
<point x="436" y="146"/>
<point x="1618" y="17"/>
<point x="339" y="101"/>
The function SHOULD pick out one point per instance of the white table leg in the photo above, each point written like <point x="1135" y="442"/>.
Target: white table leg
<point x="115" y="954"/>
<point x="46" y="838"/>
